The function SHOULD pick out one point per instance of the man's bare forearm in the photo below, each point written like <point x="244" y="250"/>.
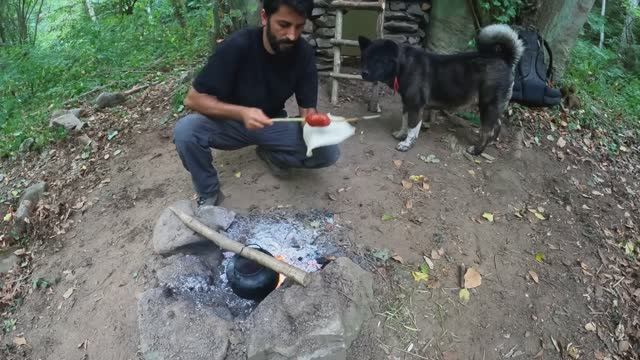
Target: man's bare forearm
<point x="212" y="107"/>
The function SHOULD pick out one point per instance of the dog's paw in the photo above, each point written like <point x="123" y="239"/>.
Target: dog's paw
<point x="404" y="146"/>
<point x="474" y="150"/>
<point x="400" y="134"/>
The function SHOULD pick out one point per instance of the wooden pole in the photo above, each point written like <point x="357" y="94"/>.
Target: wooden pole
<point x="602" y="12"/>
<point x="374" y="99"/>
<point x="336" y="57"/>
<point x="298" y="275"/>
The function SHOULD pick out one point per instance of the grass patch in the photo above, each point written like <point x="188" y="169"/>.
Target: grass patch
<point x="608" y="92"/>
<point x="116" y="52"/>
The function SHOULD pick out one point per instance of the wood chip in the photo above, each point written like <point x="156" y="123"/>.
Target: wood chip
<point x="534" y="276"/>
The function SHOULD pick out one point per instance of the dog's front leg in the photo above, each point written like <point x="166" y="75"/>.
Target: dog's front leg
<point x="414" y="123"/>
<point x="402" y="133"/>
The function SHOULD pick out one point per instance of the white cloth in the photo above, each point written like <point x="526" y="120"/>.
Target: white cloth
<point x="319" y="136"/>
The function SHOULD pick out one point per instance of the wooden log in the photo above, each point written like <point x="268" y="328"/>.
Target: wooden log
<point x="343" y="4"/>
<point x="339" y="75"/>
<point x="344" y="42"/>
<point x="298" y="275"/>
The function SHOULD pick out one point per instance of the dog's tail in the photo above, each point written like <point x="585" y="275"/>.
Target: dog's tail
<point x="501" y="40"/>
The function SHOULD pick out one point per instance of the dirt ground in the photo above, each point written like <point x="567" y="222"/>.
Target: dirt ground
<point x="552" y="288"/>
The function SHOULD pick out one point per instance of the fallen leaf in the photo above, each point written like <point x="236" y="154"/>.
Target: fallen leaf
<point x="534" y="276"/>
<point x="106" y="157"/>
<point x="539" y="257"/>
<point x="112" y="134"/>
<point x="590" y="327"/>
<point x="472" y="173"/>
<point x="407" y="184"/>
<point x="420" y="276"/>
<point x="429" y="262"/>
<point x="435" y="255"/>
<point x="387" y="217"/>
<point x="20" y="340"/>
<point x="238" y="174"/>
<point x="624" y="148"/>
<point x="8" y="217"/>
<point x="488" y="157"/>
<point x="397" y="163"/>
<point x="425" y="186"/>
<point x="417" y="178"/>
<point x="561" y="142"/>
<point x="331" y="196"/>
<point x="408" y="204"/>
<point x="20" y="252"/>
<point x="488" y="216"/>
<point x="573" y="351"/>
<point x="464" y="295"/>
<point x="398" y="258"/>
<point x="68" y="293"/>
<point x="472" y="278"/>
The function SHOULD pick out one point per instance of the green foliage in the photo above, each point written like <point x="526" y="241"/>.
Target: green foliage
<point x="117" y="52"/>
<point x="500" y="11"/>
<point x="608" y="92"/>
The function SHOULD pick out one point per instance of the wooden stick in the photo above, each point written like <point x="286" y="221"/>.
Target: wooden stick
<point x="300" y="119"/>
<point x="298" y="275"/>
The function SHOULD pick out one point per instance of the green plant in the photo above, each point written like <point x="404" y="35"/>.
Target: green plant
<point x="500" y="11"/>
<point x="9" y="325"/>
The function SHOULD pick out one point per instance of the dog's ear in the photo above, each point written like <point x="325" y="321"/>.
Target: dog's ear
<point x="391" y="47"/>
<point x="364" y="42"/>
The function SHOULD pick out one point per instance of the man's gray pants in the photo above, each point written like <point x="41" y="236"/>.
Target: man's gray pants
<point x="195" y="134"/>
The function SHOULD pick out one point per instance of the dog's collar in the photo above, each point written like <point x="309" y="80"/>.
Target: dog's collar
<point x="396" y="85"/>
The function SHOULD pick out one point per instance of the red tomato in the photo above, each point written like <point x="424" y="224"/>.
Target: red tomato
<point x="317" y="119"/>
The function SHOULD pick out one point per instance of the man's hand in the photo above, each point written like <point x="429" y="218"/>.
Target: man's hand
<point x="254" y="118"/>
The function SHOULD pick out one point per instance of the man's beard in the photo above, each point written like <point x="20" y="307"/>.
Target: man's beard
<point x="280" y="47"/>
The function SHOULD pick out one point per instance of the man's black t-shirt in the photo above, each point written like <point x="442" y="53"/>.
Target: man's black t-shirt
<point x="242" y="72"/>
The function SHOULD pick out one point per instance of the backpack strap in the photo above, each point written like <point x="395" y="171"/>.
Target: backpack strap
<point x="550" y="67"/>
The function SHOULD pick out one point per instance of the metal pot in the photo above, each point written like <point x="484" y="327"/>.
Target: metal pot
<point x="250" y="280"/>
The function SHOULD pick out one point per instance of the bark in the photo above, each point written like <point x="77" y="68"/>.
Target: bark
<point x="602" y="12"/>
<point x="90" y="10"/>
<point x="627" y="38"/>
<point x="560" y="23"/>
<point x="452" y="26"/>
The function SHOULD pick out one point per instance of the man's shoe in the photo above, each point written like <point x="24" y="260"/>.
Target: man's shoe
<point x="214" y="200"/>
<point x="275" y="169"/>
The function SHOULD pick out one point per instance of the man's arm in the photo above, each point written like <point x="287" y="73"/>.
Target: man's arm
<point x="211" y="106"/>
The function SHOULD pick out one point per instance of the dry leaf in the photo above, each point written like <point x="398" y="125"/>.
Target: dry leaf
<point x="407" y="184"/>
<point x="425" y="186"/>
<point x="238" y="174"/>
<point x="539" y="257"/>
<point x="590" y="327"/>
<point x="561" y="142"/>
<point x="435" y="255"/>
<point x="419" y="275"/>
<point x="398" y="258"/>
<point x="397" y="163"/>
<point x="472" y="278"/>
<point x="534" y="276"/>
<point x="573" y="351"/>
<point x="408" y="204"/>
<point x="20" y="340"/>
<point x="429" y="262"/>
<point x="68" y="293"/>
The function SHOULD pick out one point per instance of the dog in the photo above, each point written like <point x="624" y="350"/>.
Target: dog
<point x="427" y="81"/>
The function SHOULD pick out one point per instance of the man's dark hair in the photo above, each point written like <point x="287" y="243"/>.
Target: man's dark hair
<point x="302" y="7"/>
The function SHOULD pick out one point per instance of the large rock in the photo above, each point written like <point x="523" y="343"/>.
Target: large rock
<point x="397" y="5"/>
<point x="170" y="234"/>
<point x="326" y="32"/>
<point x="397" y="15"/>
<point x="27" y="203"/>
<point x="319" y="321"/>
<point x="107" y="99"/>
<point x="326" y="21"/>
<point x="316" y="12"/>
<point x="401" y="26"/>
<point x="68" y="121"/>
<point x="174" y="328"/>
<point x="323" y="43"/>
<point x="415" y="10"/>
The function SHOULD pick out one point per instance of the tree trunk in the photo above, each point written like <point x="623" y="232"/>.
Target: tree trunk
<point x="451" y="27"/>
<point x="604" y="5"/>
<point x="627" y="38"/>
<point x="560" y="23"/>
<point x="178" y="12"/>
<point x="90" y="10"/>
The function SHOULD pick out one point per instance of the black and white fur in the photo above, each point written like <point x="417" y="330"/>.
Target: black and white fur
<point x="428" y="81"/>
